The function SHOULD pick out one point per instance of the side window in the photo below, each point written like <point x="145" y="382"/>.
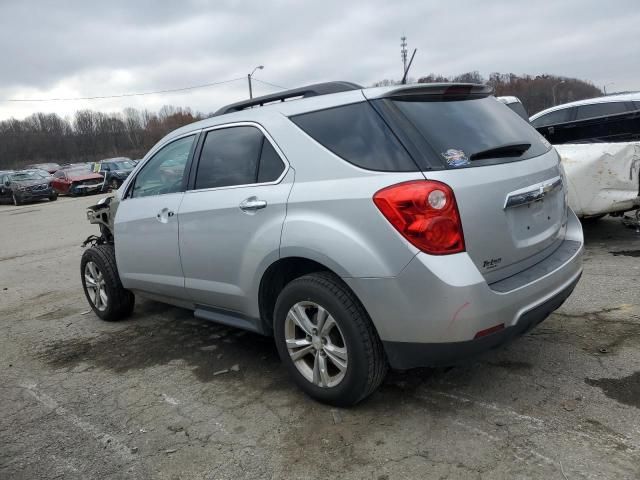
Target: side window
<point x="600" y="110"/>
<point x="229" y="157"/>
<point x="59" y="174"/>
<point x="271" y="165"/>
<point x="164" y="173"/>
<point x="357" y="134"/>
<point x="559" y="116"/>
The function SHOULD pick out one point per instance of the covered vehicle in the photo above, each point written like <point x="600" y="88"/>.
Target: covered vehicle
<point x="77" y="180"/>
<point x="114" y="170"/>
<point x="21" y="187"/>
<point x="49" y="167"/>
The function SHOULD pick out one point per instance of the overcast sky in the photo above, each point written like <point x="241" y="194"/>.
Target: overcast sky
<point x="85" y="48"/>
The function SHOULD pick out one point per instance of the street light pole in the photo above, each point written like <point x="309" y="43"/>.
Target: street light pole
<point x="259" y="67"/>
<point x="553" y="91"/>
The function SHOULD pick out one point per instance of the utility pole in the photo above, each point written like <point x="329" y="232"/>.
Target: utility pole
<point x="403" y="53"/>
<point x="259" y="67"/>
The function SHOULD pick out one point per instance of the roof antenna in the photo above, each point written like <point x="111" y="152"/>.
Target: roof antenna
<point x="406" y="72"/>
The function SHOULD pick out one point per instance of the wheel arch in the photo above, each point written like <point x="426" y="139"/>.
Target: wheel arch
<point x="283" y="271"/>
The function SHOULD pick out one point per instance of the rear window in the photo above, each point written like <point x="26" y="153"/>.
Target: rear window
<point x="357" y="134"/>
<point x="474" y="131"/>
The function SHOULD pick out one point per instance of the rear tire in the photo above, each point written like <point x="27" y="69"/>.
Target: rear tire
<point x="353" y="336"/>
<point x="101" y="284"/>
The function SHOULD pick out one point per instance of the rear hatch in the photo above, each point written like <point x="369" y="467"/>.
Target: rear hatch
<point x="506" y="177"/>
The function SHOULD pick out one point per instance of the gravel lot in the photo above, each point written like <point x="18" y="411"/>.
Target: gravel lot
<point x="164" y="395"/>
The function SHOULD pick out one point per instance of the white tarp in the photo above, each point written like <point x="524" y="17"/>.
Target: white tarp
<point x="602" y="177"/>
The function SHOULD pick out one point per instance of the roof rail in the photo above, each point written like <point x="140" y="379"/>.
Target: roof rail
<point x="304" y="92"/>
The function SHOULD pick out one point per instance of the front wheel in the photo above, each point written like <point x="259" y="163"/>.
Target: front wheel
<point x="53" y="197"/>
<point x="113" y="184"/>
<point x="101" y="283"/>
<point x="17" y="201"/>
<point x="327" y="341"/>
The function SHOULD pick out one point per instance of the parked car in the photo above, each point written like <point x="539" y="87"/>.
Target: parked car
<point x="115" y="170"/>
<point x="22" y="187"/>
<point x="398" y="226"/>
<point x="49" y="167"/>
<point x="613" y="118"/>
<point x="39" y="171"/>
<point x="77" y="180"/>
<point x="516" y="105"/>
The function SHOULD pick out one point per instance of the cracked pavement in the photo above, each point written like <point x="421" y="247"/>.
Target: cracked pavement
<point x="163" y="395"/>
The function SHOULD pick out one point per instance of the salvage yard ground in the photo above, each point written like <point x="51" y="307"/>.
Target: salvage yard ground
<point x="163" y="395"/>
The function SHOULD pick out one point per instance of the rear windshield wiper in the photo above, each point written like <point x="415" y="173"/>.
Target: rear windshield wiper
<point x="509" y="150"/>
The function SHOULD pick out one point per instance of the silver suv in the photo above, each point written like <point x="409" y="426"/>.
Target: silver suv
<point x="400" y="226"/>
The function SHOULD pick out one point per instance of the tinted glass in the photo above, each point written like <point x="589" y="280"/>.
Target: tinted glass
<point x="164" y="173"/>
<point x="271" y="166"/>
<point x="600" y="110"/>
<point x="229" y="157"/>
<point x="559" y="116"/>
<point x="357" y="134"/>
<point x="462" y="128"/>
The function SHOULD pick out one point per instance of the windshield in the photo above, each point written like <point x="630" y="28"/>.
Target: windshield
<point x="22" y="176"/>
<point x="459" y="130"/>
<point x="122" y="165"/>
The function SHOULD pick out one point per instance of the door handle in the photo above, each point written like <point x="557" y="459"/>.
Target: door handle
<point x="251" y="204"/>
<point x="164" y="215"/>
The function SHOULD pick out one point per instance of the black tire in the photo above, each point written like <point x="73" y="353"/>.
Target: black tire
<point x="53" y="197"/>
<point x="120" y="301"/>
<point x="17" y="201"/>
<point x="367" y="364"/>
<point x="114" y="184"/>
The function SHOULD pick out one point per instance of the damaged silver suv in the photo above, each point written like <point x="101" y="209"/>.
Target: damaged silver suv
<point x="363" y="229"/>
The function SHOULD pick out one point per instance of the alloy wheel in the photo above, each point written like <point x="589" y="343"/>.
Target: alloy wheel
<point x="96" y="287"/>
<point x="316" y="344"/>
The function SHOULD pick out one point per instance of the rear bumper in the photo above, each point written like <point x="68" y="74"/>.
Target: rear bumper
<point x="405" y="355"/>
<point x="431" y="312"/>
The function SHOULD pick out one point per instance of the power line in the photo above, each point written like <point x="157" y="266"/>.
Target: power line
<point x="98" y="97"/>
<point x="268" y="83"/>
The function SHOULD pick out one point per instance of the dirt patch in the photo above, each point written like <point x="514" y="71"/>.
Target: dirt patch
<point x="174" y="337"/>
<point x="511" y="365"/>
<point x="624" y="390"/>
<point x="626" y="253"/>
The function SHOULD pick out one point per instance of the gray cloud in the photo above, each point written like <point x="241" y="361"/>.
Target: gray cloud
<point x="88" y="48"/>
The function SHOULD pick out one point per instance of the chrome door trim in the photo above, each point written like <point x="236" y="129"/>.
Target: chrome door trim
<point x="532" y="193"/>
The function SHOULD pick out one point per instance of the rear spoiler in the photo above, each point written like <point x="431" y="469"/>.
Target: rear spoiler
<point x="439" y="92"/>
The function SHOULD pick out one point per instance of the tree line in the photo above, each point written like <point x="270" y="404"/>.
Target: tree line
<point x="87" y="136"/>
<point x="91" y="135"/>
<point x="536" y="92"/>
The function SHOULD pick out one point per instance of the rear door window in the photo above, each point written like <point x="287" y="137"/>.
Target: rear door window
<point x="599" y="110"/>
<point x="237" y="156"/>
<point x="357" y="134"/>
<point x="473" y="131"/>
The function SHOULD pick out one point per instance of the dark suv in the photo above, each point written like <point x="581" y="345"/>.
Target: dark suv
<point x="116" y="170"/>
<point x="21" y="187"/>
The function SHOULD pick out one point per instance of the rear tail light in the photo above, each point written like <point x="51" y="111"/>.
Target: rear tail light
<point x="425" y="213"/>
